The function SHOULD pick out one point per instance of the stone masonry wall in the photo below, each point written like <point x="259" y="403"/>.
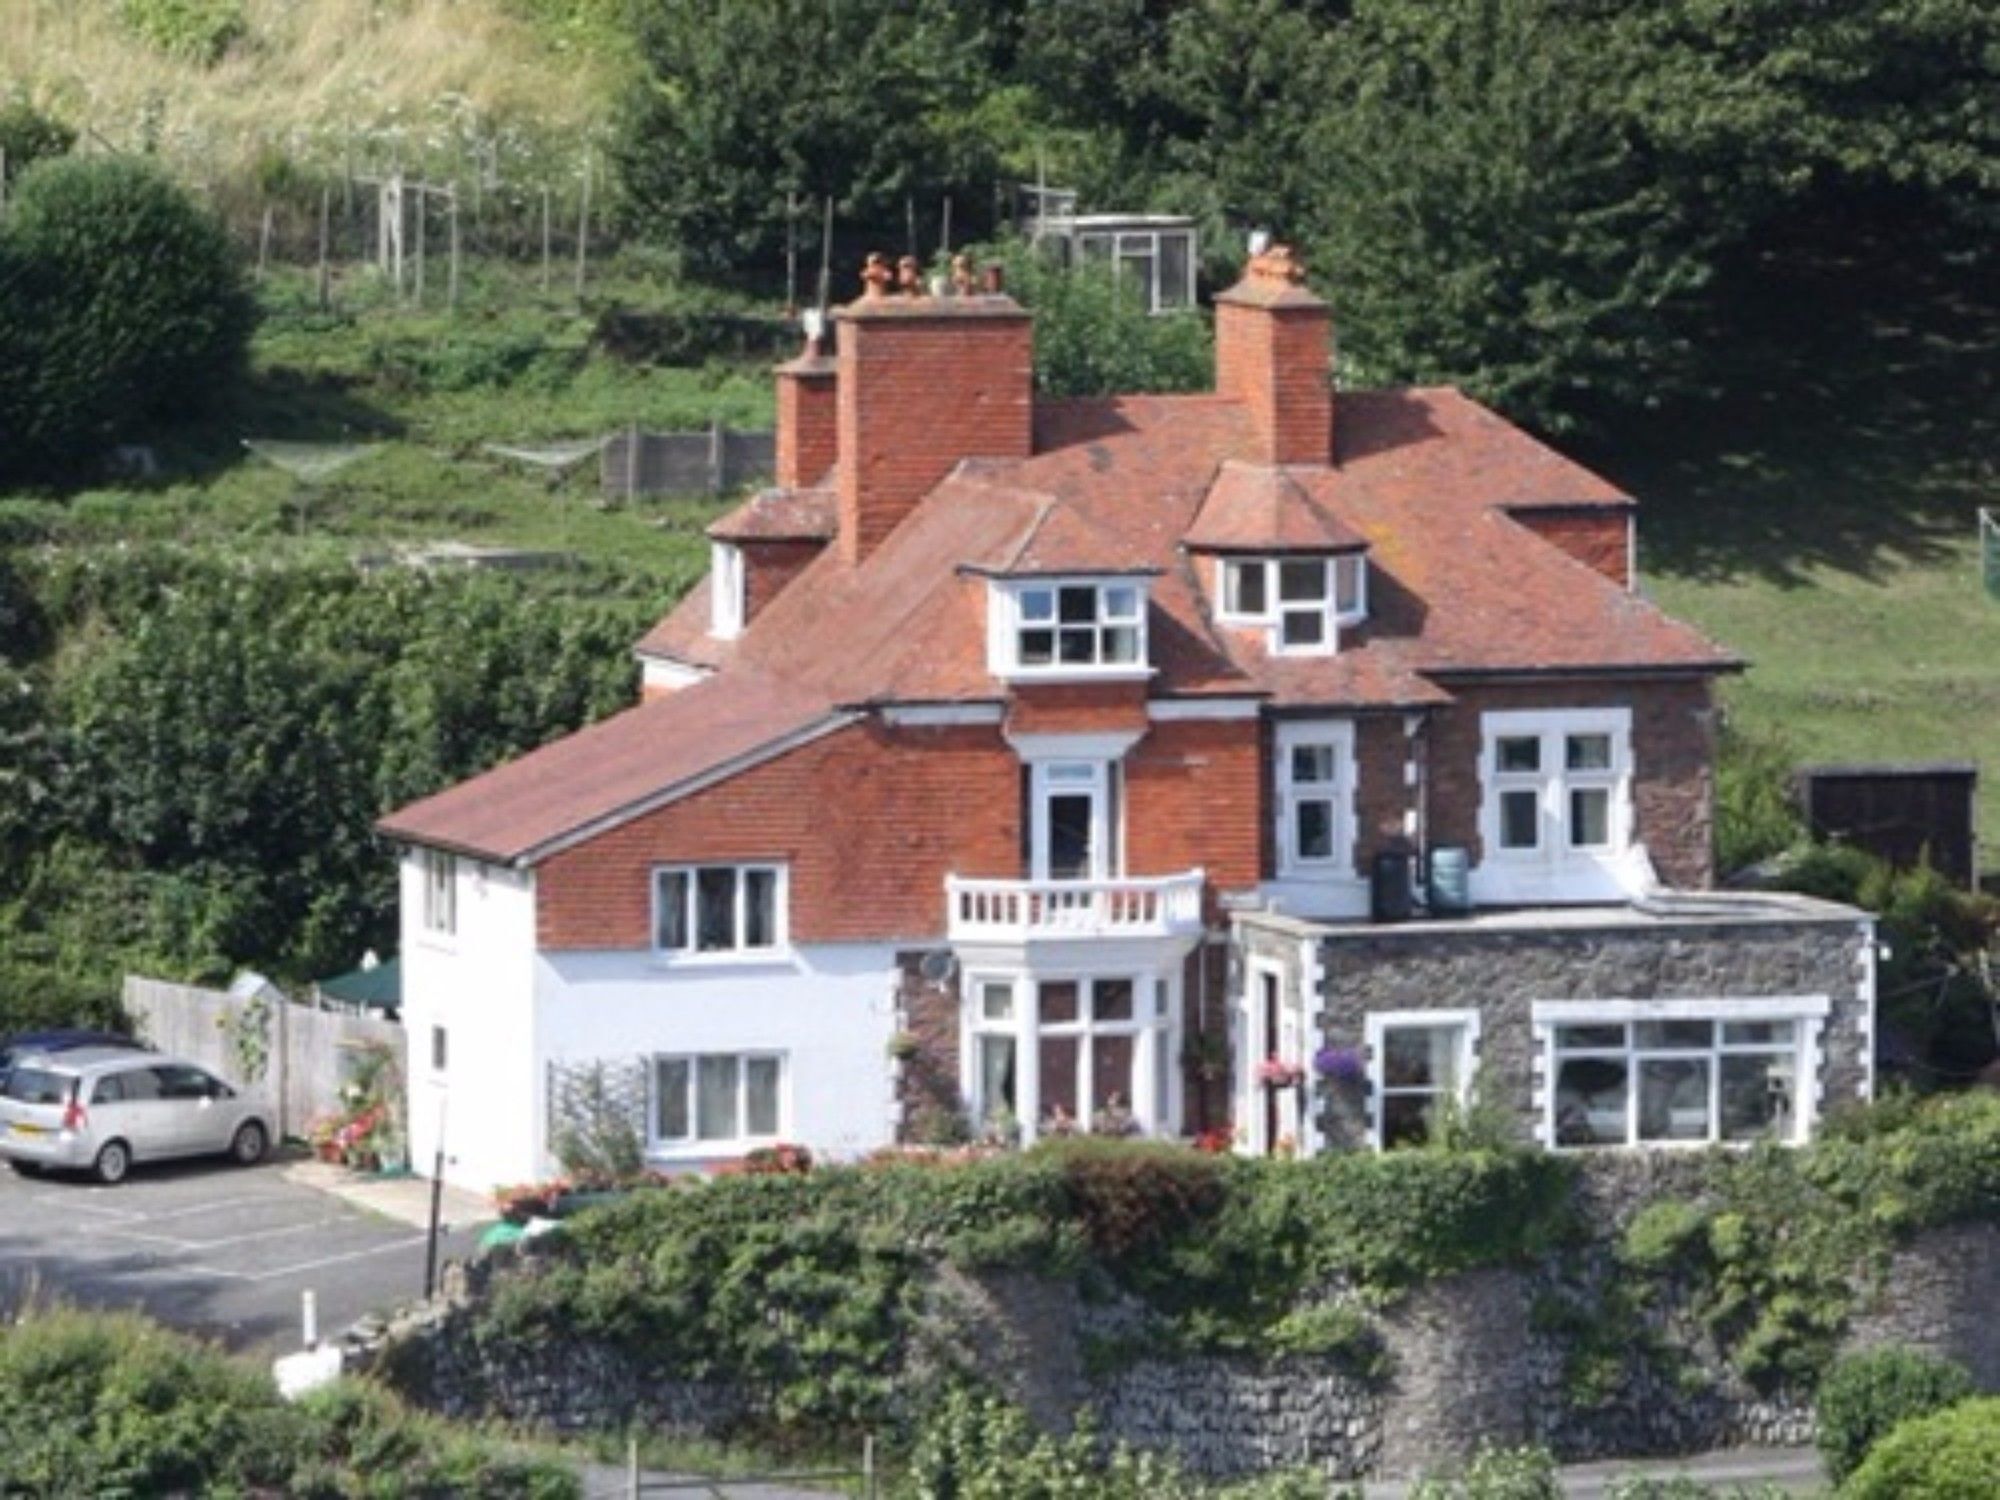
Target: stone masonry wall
<point x="1502" y="973"/>
<point x="1468" y="1362"/>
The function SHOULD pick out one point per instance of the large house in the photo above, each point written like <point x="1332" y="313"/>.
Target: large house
<point x="1028" y="765"/>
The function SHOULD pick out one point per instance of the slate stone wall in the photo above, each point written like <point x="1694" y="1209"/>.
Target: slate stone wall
<point x="1502" y="973"/>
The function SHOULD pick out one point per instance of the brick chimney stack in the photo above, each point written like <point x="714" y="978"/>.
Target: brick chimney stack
<point x="808" y="437"/>
<point x="924" y="381"/>
<point x="1272" y="352"/>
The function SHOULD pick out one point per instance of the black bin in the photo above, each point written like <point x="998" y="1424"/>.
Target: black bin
<point x="1389" y="886"/>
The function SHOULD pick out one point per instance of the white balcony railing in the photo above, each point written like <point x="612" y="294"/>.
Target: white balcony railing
<point x="1140" y="906"/>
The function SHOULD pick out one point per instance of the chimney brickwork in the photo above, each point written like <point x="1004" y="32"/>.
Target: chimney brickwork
<point x="924" y="381"/>
<point x="1273" y="342"/>
<point x="808" y="439"/>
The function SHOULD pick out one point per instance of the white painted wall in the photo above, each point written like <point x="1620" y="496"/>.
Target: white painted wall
<point x="829" y="1008"/>
<point x="478" y="983"/>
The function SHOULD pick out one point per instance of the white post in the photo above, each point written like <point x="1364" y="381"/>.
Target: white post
<point x="1027" y="1057"/>
<point x="309" y="1318"/>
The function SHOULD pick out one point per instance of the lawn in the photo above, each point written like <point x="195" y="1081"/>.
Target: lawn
<point x="1820" y="519"/>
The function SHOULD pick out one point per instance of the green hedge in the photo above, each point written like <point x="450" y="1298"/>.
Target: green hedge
<point x="1950" y="1455"/>
<point x="1867" y="1396"/>
<point x="108" y="1404"/>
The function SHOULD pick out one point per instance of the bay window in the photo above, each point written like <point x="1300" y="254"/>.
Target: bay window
<point x="1051" y="1056"/>
<point x="1301" y="601"/>
<point x="718" y="910"/>
<point x="717" y="1099"/>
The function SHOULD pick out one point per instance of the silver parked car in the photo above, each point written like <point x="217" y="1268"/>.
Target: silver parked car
<point x="101" y="1109"/>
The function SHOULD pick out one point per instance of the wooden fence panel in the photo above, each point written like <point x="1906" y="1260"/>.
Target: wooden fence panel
<point x="306" y="1054"/>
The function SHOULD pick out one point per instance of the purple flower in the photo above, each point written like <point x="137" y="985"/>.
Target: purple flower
<point x="1340" y="1064"/>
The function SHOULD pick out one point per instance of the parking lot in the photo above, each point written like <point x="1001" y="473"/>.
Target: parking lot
<point x="216" y="1249"/>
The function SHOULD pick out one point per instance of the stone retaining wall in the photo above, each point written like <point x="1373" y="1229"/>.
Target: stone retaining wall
<point x="1468" y="1363"/>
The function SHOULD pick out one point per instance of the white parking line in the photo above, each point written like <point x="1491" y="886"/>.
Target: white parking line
<point x="70" y="1202"/>
<point x="190" y="1210"/>
<point x="191" y="1246"/>
<point x="308" y="1265"/>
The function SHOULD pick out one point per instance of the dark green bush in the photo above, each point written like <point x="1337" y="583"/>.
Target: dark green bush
<point x="28" y="136"/>
<point x="121" y="303"/>
<point x="1950" y="1455"/>
<point x="1867" y="1396"/>
<point x="1093" y="337"/>
<point x="1662" y="1236"/>
<point x="1756" y="815"/>
<point x="110" y="1404"/>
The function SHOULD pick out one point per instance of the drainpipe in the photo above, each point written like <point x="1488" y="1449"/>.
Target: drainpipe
<point x="1416" y="732"/>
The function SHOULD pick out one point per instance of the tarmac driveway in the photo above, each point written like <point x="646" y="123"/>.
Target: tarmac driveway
<point x="212" y="1248"/>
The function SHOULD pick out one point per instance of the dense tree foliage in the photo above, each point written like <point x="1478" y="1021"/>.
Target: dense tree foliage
<point x="121" y="302"/>
<point x="27" y="136"/>
<point x="197" y="791"/>
<point x="1530" y="198"/>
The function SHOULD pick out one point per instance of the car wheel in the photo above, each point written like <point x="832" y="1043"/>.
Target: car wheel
<point x="25" y="1168"/>
<point x="112" y="1163"/>
<point x="249" y="1144"/>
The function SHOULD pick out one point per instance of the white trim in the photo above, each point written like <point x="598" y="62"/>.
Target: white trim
<point x="1701" y="1008"/>
<point x="770" y="750"/>
<point x="1162" y="710"/>
<point x="1271" y="619"/>
<point x="1376" y="1022"/>
<point x="1312" y="979"/>
<point x="1095" y="781"/>
<point x="940" y="715"/>
<point x="1345" y="797"/>
<point x="1004" y="627"/>
<point x="1808" y="1013"/>
<point x="728" y="588"/>
<point x="1554" y="870"/>
<point x="692" y="1147"/>
<point x="778" y="950"/>
<point x="1106" y="744"/>
<point x="666" y="673"/>
<point x="1870" y="961"/>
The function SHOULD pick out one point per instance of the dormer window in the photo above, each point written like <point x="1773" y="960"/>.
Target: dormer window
<point x="1301" y="601"/>
<point x="1068" y="628"/>
<point x="726" y="590"/>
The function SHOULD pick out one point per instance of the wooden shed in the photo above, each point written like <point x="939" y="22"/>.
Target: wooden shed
<point x="1904" y="813"/>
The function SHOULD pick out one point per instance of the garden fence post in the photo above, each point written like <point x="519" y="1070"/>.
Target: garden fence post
<point x="632" y="1467"/>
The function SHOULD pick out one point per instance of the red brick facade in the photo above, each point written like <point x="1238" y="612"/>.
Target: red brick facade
<point x="1599" y="538"/>
<point x="769" y="566"/>
<point x="808" y="433"/>
<point x="871" y="819"/>
<point x="923" y="384"/>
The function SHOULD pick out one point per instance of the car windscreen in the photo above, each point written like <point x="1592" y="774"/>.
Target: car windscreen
<point x="37" y="1086"/>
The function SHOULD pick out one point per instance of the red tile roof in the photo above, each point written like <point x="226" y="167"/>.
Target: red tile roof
<point x="781" y="516"/>
<point x="1423" y="478"/>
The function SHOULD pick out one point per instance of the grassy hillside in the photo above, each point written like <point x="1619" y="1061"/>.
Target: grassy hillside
<point x="1820" y="518"/>
<point x="321" y="81"/>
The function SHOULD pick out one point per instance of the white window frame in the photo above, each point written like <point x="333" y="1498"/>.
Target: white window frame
<point x="1060" y="777"/>
<point x="1377" y="1024"/>
<point x="1342" y="793"/>
<point x="1552" y="782"/>
<point x="693" y="1144"/>
<point x="1155" y="1000"/>
<point x="1117" y="243"/>
<point x="727" y="590"/>
<point x="778" y="948"/>
<point x="1338" y="569"/>
<point x="1807" y="1014"/>
<point x="1009" y="615"/>
<point x="440" y="895"/>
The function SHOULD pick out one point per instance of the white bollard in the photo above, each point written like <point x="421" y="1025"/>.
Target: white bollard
<point x="309" y="1318"/>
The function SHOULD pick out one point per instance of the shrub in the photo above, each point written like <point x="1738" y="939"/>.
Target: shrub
<point x="1950" y="1455"/>
<point x="1496" y="1474"/>
<point x="1866" y="1396"/>
<point x="121" y="301"/>
<point x="978" y="1448"/>
<point x="28" y="136"/>
<point x="1663" y="1235"/>
<point x="199" y="30"/>
<point x="1756" y="815"/>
